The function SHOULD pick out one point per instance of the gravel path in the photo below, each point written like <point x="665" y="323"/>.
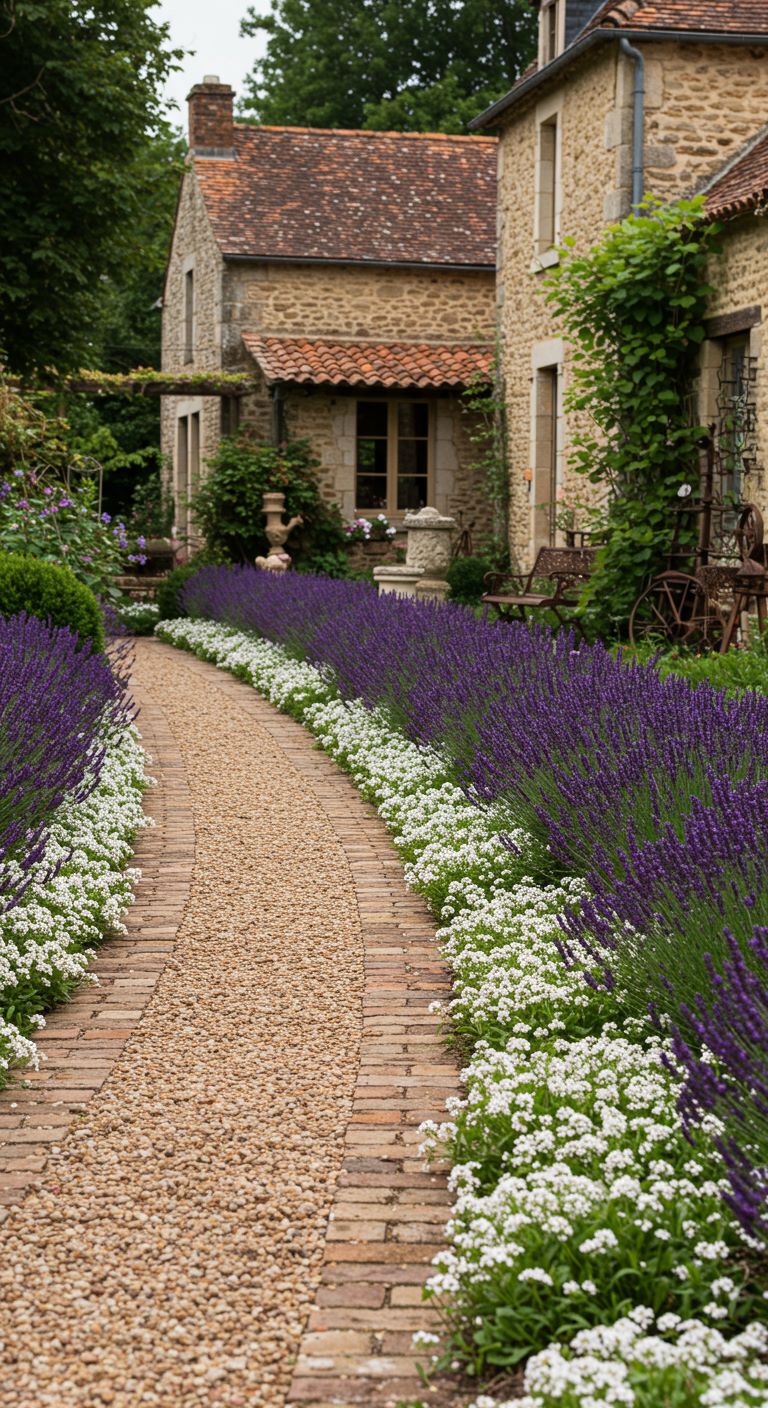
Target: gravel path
<point x="173" y="1251"/>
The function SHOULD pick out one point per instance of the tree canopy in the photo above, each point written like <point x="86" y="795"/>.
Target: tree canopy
<point x="405" y="65"/>
<point x="81" y="174"/>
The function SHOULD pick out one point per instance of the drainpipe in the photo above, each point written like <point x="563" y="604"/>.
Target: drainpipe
<point x="278" y="415"/>
<point x="638" y="122"/>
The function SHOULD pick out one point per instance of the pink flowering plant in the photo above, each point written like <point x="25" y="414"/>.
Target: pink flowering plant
<point x="370" y="530"/>
<point x="43" y="518"/>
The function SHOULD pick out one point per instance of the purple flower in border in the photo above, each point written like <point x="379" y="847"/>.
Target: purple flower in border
<point x="59" y="703"/>
<point x="106" y="518"/>
<point x="65" y="502"/>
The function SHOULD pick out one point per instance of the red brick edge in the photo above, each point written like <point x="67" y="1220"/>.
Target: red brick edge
<point x="388" y="1212"/>
<point x="83" y="1038"/>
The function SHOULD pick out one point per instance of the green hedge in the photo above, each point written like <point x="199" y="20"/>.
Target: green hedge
<point x="45" y="590"/>
<point x="168" y="591"/>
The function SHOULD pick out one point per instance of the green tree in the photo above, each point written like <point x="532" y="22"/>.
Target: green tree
<point x="406" y="65"/>
<point x="123" y="432"/>
<point x="79" y="107"/>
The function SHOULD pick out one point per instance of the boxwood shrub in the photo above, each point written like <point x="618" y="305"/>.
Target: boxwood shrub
<point x="50" y="592"/>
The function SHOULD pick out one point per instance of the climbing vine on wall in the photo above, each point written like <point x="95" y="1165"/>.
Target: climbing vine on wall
<point x="633" y="309"/>
<point x="483" y="403"/>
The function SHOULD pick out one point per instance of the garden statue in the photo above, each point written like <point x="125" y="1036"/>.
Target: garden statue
<point x="277" y="559"/>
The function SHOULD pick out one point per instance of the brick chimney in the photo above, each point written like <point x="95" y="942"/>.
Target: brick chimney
<point x="210" y="117"/>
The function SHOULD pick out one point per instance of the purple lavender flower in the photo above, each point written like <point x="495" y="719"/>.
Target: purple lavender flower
<point x="730" y="1081"/>
<point x="59" y="705"/>
<point x="65" y="502"/>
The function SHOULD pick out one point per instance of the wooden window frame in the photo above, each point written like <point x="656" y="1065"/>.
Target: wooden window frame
<point x="395" y="514"/>
<point x="189" y="429"/>
<point x="547" y="466"/>
<point x="547" y="184"/>
<point x="551" y="15"/>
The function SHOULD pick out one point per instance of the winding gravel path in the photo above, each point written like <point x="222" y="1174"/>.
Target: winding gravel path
<point x="171" y="1253"/>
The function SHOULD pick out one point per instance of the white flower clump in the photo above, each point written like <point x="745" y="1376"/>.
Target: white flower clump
<point x="501" y="944"/>
<point x="51" y="933"/>
<point x="139" y="611"/>
<point x="627" y="1364"/>
<point x="570" y="1172"/>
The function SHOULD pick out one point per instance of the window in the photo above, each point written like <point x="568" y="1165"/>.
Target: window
<point x="187" y="470"/>
<point x="393" y="464"/>
<point x="189" y="316"/>
<point x="547" y="176"/>
<point x="549" y="31"/>
<point x="230" y="415"/>
<point x="546" y="460"/>
<point x="734" y="405"/>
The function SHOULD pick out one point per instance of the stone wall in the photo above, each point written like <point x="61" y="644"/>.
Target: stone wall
<point x="702" y="103"/>
<point x="193" y="248"/>
<point x="293" y="300"/>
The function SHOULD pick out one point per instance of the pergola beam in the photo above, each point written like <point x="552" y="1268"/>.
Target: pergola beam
<point x="139" y="384"/>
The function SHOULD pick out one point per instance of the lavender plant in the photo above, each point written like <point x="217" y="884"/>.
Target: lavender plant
<point x="59" y="706"/>
<point x="588" y="753"/>
<point x="725" y="1070"/>
<point x="651" y="927"/>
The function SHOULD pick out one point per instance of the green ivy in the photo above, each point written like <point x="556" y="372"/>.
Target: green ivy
<point x="483" y="404"/>
<point x="633" y="308"/>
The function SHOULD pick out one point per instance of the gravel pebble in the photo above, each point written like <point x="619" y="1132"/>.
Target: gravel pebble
<point x="178" y="1261"/>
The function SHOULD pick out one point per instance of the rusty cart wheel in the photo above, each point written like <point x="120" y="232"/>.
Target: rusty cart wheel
<point x="673" y="610"/>
<point x="749" y="534"/>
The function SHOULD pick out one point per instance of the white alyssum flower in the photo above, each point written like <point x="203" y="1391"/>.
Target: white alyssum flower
<point x="53" y="931"/>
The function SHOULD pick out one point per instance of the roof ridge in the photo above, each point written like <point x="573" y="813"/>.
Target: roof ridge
<point x="365" y="132"/>
<point x="341" y="341"/>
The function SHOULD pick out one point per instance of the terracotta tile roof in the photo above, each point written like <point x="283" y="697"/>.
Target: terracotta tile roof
<point x="742" y="184"/>
<point x="706" y="16"/>
<point x="402" y="365"/>
<point x="380" y="197"/>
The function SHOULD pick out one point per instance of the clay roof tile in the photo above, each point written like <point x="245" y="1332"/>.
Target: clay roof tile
<point x="307" y="193"/>
<point x="401" y="365"/>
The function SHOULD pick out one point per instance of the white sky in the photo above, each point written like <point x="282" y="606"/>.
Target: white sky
<point x="212" y="29"/>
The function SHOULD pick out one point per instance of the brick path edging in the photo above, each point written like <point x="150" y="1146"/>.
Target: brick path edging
<point x="83" y="1038"/>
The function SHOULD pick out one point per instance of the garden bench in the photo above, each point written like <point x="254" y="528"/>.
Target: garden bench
<point x="551" y="585"/>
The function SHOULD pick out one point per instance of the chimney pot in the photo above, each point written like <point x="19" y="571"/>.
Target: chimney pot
<point x="210" y="117"/>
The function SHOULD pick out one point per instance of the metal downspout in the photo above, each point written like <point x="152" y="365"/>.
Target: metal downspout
<point x="638" y="122"/>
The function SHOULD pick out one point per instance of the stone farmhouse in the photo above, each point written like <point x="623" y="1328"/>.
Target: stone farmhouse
<point x="351" y="276"/>
<point x="661" y="96"/>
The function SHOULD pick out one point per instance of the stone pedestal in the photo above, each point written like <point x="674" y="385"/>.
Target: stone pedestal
<point x="432" y="589"/>
<point x="397" y="579"/>
<point x="427" y="558"/>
